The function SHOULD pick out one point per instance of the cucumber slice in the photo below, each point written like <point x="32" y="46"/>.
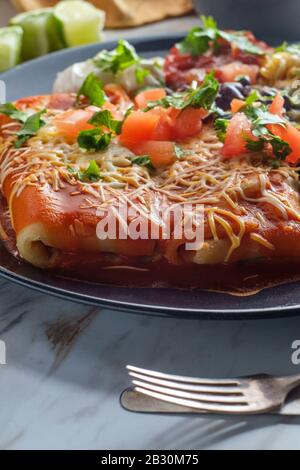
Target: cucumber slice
<point x="81" y="22"/>
<point x="10" y="47"/>
<point x="41" y="32"/>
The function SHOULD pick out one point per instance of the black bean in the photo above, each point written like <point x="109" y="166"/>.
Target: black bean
<point x="287" y="103"/>
<point x="227" y="92"/>
<point x="244" y="81"/>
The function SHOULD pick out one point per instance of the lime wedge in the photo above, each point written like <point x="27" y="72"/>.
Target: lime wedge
<point x="41" y="32"/>
<point x="81" y="22"/>
<point x="10" y="47"/>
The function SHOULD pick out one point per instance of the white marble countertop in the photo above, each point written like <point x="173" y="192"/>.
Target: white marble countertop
<point x="66" y="364"/>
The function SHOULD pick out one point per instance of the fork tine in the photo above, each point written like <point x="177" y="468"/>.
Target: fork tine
<point x="203" y="406"/>
<point x="202" y="397"/>
<point x="215" y="389"/>
<point x="180" y="378"/>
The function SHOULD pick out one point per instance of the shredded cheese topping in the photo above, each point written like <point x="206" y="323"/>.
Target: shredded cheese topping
<point x="240" y="196"/>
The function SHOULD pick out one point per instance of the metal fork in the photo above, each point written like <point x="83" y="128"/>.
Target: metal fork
<point x="246" y="395"/>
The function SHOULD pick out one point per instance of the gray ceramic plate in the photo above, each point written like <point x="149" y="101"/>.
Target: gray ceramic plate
<point x="36" y="77"/>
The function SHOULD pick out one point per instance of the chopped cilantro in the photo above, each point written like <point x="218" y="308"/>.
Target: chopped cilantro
<point x="239" y="39"/>
<point x="280" y="147"/>
<point x="221" y="125"/>
<point x="122" y="57"/>
<point x="201" y="97"/>
<point x="98" y="139"/>
<point x="71" y="169"/>
<point x="105" y="118"/>
<point x="254" y="96"/>
<point x="30" y="127"/>
<point x="260" y="118"/>
<point x="10" y="110"/>
<point x="94" y="139"/>
<point x="92" y="173"/>
<point x="143" y="160"/>
<point x="92" y="88"/>
<point x="291" y="48"/>
<point x="199" y="39"/>
<point x="180" y="152"/>
<point x="254" y="145"/>
<point x="141" y="74"/>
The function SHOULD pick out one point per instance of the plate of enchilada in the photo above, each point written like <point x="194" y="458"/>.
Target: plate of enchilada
<point x="160" y="175"/>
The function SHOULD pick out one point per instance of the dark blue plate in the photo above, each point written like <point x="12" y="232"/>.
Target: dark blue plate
<point x="36" y="77"/>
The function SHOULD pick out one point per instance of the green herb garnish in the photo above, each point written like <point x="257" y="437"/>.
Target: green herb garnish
<point x="201" y="97"/>
<point x="220" y="126"/>
<point x="91" y="174"/>
<point x="199" y="39"/>
<point x="10" y="110"/>
<point x="105" y="118"/>
<point x="98" y="139"/>
<point x="143" y="160"/>
<point x="254" y="96"/>
<point x="239" y="39"/>
<point x="141" y="74"/>
<point x="291" y="48"/>
<point x="260" y="118"/>
<point x="280" y="147"/>
<point x="180" y="152"/>
<point x="92" y="88"/>
<point x="30" y="127"/>
<point x="121" y="58"/>
<point x="94" y="139"/>
<point x="254" y="145"/>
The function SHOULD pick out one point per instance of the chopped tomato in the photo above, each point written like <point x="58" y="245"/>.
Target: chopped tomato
<point x="277" y="105"/>
<point x="291" y="135"/>
<point x="61" y="101"/>
<point x="164" y="128"/>
<point x="236" y="105"/>
<point x="161" y="125"/>
<point x="38" y="102"/>
<point x="238" y="128"/>
<point x="166" y="123"/>
<point x="138" y="127"/>
<point x="153" y="94"/>
<point x="119" y="98"/>
<point x="188" y="123"/>
<point x="288" y="133"/>
<point x="161" y="153"/>
<point x="116" y="93"/>
<point x="230" y="72"/>
<point x="71" y="122"/>
<point x="4" y="119"/>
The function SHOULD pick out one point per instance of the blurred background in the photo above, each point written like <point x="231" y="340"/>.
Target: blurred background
<point x="30" y="28"/>
<point x="266" y="18"/>
<point x="120" y="13"/>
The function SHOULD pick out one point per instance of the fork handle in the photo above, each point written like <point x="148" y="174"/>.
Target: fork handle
<point x="290" y="381"/>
